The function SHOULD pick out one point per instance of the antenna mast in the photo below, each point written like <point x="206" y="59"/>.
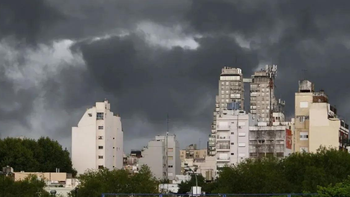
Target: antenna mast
<point x="166" y="148"/>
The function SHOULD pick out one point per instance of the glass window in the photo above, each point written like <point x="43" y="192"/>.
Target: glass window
<point x="100" y="156"/>
<point x="100" y="167"/>
<point x="99" y="116"/>
<point x="100" y="137"/>
<point x="100" y="127"/>
<point x="100" y="147"/>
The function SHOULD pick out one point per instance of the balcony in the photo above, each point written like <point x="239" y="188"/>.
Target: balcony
<point x="225" y="159"/>
<point x="223" y="148"/>
<point x="222" y="138"/>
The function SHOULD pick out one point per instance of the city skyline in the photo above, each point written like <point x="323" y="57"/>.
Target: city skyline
<point x="159" y="61"/>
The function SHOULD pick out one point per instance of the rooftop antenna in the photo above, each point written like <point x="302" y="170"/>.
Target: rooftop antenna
<point x="166" y="147"/>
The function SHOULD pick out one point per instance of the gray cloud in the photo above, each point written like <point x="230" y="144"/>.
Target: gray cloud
<point x="144" y="79"/>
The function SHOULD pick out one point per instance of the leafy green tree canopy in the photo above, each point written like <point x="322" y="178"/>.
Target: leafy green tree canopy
<point x="28" y="187"/>
<point x="298" y="173"/>
<point x="43" y="155"/>
<point x="94" y="183"/>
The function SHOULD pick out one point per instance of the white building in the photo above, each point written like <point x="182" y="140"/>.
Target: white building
<point x="155" y="157"/>
<point x="231" y="89"/>
<point x="232" y="137"/>
<point x="97" y="141"/>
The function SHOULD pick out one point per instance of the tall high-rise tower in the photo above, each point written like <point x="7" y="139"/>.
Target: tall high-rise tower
<point x="231" y="89"/>
<point x="263" y="102"/>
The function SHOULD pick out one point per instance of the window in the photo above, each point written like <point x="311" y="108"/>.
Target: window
<point x="90" y="114"/>
<point x="99" y="116"/>
<point x="241" y="134"/>
<point x="302" y="118"/>
<point x="232" y="143"/>
<point x="241" y="144"/>
<point x="100" y="167"/>
<point x="232" y="154"/>
<point x="100" y="156"/>
<point x="100" y="127"/>
<point x="170" y="149"/>
<point x="100" y="137"/>
<point x="170" y="158"/>
<point x="100" y="147"/>
<point x="170" y="166"/>
<point x="113" y="147"/>
<point x="304" y="136"/>
<point x="304" y="104"/>
<point x="232" y="133"/>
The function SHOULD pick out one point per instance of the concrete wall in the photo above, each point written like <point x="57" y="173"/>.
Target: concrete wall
<point x="153" y="157"/>
<point x="92" y="133"/>
<point x="303" y="101"/>
<point x="47" y="176"/>
<point x="323" y="131"/>
<point x="232" y="142"/>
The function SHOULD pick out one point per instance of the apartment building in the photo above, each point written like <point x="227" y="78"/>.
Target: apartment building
<point x="231" y="89"/>
<point x="97" y="141"/>
<point x="232" y="137"/>
<point x="262" y="94"/>
<point x="162" y="156"/>
<point x="316" y="121"/>
<point x="191" y="152"/>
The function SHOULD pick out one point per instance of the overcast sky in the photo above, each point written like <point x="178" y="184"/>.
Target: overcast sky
<point x="150" y="58"/>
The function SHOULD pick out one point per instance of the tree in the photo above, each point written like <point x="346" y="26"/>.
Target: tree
<point x="298" y="173"/>
<point x="94" y="183"/>
<point x="43" y="155"/>
<point x="341" y="189"/>
<point x="28" y="187"/>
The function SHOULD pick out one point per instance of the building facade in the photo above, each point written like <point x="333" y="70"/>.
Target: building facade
<point x="231" y="89"/>
<point x="262" y="94"/>
<point x="232" y="137"/>
<point x="162" y="156"/>
<point x="316" y="121"/>
<point x="191" y="152"/>
<point x="97" y="141"/>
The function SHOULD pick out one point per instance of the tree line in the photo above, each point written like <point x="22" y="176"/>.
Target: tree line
<point x="325" y="172"/>
<point x="42" y="155"/>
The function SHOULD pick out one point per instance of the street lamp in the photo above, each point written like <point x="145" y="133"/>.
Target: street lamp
<point x="190" y="169"/>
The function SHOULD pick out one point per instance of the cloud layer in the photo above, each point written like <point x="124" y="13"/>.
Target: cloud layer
<point x="153" y="58"/>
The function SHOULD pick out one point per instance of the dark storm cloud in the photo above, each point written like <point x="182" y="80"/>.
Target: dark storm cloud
<point x="306" y="39"/>
<point x="25" y="20"/>
<point x="153" y="81"/>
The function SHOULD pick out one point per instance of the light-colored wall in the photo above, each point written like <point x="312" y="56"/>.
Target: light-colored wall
<point x="235" y="127"/>
<point x="209" y="165"/>
<point x="84" y="144"/>
<point x="85" y="140"/>
<point x="323" y="131"/>
<point x="153" y="157"/>
<point x="47" y="176"/>
<point x="301" y="126"/>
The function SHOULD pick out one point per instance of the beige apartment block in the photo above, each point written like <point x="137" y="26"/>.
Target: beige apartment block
<point x="47" y="176"/>
<point x="316" y="121"/>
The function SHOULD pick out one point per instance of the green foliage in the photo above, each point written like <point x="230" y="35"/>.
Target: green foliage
<point x="337" y="190"/>
<point x="29" y="187"/>
<point x="185" y="187"/>
<point x="94" y="183"/>
<point x="298" y="173"/>
<point x="43" y="155"/>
